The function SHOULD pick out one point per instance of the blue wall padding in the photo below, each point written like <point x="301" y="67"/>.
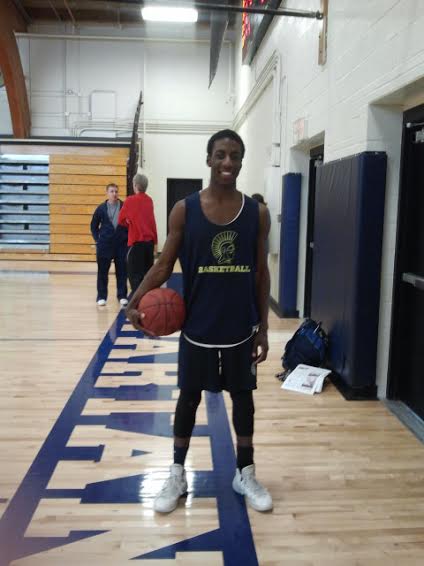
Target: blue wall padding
<point x="289" y="244"/>
<point x="349" y="215"/>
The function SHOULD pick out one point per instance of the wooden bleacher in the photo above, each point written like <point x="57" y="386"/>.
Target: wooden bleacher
<point x="77" y="180"/>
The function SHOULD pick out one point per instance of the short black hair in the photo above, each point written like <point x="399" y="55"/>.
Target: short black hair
<point x="258" y="197"/>
<point x="222" y="134"/>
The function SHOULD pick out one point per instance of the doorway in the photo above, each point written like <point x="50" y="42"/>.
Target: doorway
<point x="178" y="189"/>
<point x="316" y="159"/>
<point x="406" y="381"/>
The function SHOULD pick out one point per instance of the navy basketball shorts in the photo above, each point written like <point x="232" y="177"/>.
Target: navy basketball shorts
<point x="216" y="369"/>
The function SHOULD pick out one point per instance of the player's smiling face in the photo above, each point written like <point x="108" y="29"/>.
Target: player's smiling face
<point x="225" y="161"/>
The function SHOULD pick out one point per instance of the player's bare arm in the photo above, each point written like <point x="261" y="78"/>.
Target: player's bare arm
<point x="260" y="346"/>
<point x="162" y="269"/>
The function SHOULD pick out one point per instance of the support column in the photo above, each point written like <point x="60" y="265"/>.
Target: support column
<point x="10" y="64"/>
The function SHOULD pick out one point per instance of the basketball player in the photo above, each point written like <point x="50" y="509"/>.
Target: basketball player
<point x="219" y="235"/>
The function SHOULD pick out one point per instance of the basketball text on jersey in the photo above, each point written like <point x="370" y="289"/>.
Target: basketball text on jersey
<point x="224" y="269"/>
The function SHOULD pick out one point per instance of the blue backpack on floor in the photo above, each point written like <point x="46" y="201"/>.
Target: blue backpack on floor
<point x="307" y="346"/>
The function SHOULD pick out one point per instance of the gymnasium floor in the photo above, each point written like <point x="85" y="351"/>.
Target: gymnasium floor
<point x="86" y="410"/>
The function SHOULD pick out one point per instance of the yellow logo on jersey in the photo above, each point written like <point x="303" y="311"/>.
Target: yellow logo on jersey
<point x="223" y="247"/>
<point x="224" y="251"/>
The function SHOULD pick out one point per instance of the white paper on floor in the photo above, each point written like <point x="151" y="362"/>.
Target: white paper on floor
<point x="306" y="379"/>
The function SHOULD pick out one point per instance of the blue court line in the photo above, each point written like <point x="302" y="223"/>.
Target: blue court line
<point x="122" y="373"/>
<point x="234" y="536"/>
<point x="90" y="453"/>
<point x="237" y="540"/>
<point x="23" y="504"/>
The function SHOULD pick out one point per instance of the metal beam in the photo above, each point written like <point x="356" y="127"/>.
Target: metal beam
<point x="256" y="10"/>
<point x="322" y="52"/>
<point x="22" y="11"/>
<point x="56" y="13"/>
<point x="71" y="15"/>
<point x="11" y="66"/>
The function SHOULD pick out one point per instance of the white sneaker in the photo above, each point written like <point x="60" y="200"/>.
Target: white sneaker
<point x="101" y="302"/>
<point x="175" y="486"/>
<point x="123" y="302"/>
<point x="245" y="483"/>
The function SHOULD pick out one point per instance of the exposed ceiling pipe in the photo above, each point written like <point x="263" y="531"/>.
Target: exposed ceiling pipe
<point x="209" y="6"/>
<point x="111" y="38"/>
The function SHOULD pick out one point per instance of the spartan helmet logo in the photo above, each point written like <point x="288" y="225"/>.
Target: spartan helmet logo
<point x="223" y="247"/>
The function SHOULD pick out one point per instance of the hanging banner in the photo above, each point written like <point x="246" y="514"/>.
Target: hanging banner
<point x="219" y="23"/>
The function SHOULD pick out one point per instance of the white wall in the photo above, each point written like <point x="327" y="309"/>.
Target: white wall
<point x="5" y="119"/>
<point x="90" y="87"/>
<point x="256" y="134"/>
<point x="176" y="85"/>
<point x="174" y="157"/>
<point x="63" y="77"/>
<point x="375" y="56"/>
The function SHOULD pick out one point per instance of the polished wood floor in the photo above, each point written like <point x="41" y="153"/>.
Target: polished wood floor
<point x="347" y="478"/>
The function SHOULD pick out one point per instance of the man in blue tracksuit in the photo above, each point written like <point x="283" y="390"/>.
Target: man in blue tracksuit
<point x="111" y="244"/>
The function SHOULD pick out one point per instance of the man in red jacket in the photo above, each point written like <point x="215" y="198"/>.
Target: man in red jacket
<point x="138" y="216"/>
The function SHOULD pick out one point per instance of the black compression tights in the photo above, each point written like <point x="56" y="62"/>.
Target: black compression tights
<point x="185" y="413"/>
<point x="188" y="401"/>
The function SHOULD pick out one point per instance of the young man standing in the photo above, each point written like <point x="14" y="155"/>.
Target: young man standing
<point x="111" y="244"/>
<point x="138" y="216"/>
<point x="219" y="235"/>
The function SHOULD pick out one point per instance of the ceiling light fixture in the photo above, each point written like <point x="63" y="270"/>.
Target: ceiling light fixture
<point x="165" y="14"/>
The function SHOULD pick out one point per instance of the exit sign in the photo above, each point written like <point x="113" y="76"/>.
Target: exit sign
<point x="254" y="26"/>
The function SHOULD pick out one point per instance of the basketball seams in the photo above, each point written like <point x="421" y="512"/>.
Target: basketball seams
<point x="166" y="317"/>
<point x="156" y="315"/>
<point x="178" y="314"/>
<point x="164" y="307"/>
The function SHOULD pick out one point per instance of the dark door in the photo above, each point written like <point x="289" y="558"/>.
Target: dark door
<point x="317" y="157"/>
<point x="407" y="350"/>
<point x="178" y="189"/>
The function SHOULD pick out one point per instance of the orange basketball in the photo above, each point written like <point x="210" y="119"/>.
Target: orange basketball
<point x="164" y="311"/>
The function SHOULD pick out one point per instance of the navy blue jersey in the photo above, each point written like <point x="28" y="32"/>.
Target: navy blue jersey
<point x="219" y="264"/>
